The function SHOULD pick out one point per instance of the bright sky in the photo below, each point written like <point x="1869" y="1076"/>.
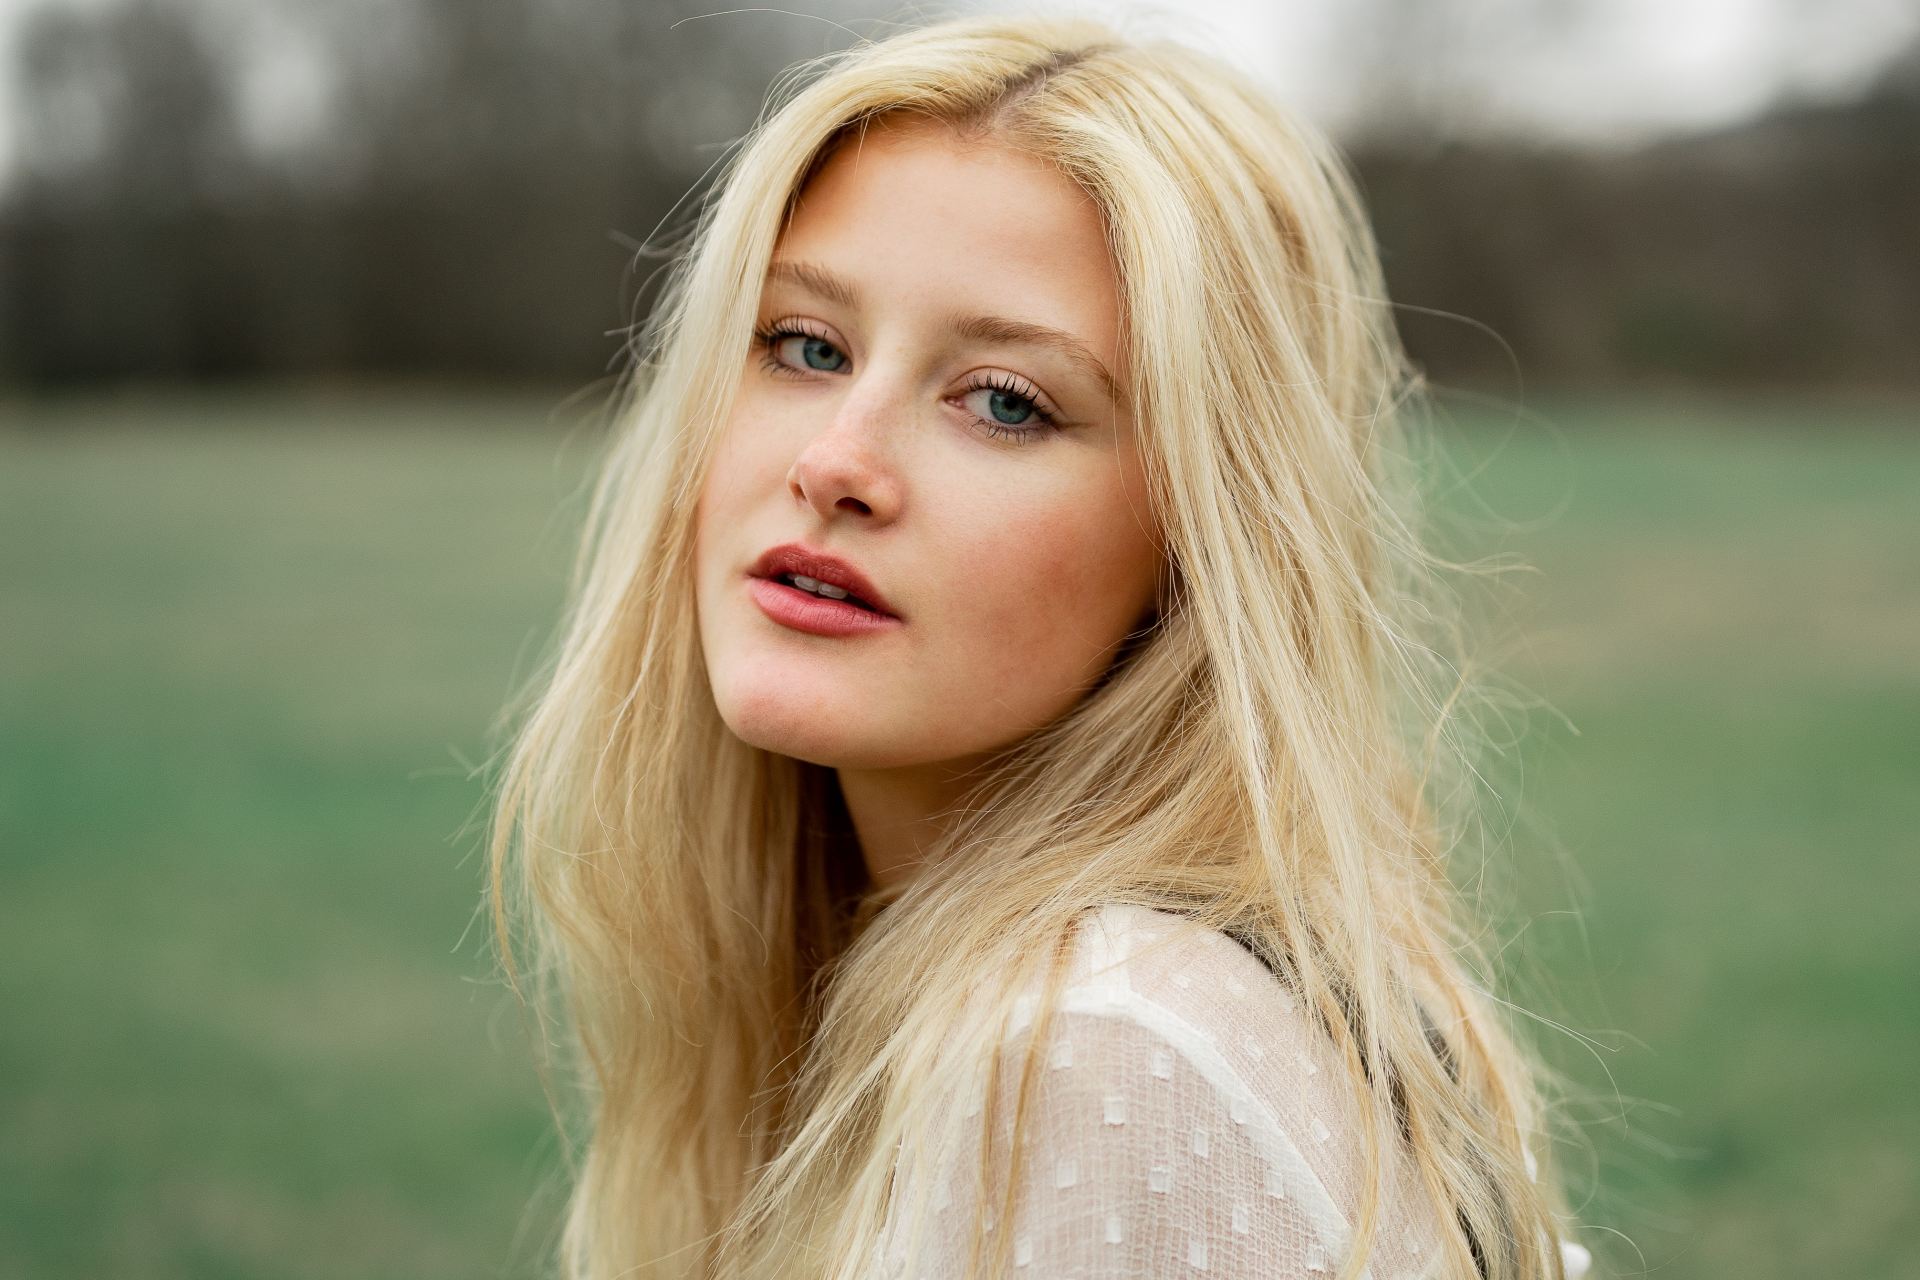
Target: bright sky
<point x="1616" y="70"/>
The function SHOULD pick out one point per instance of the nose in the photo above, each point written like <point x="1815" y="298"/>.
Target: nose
<point x="847" y="465"/>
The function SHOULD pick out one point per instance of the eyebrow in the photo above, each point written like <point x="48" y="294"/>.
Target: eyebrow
<point x="994" y="329"/>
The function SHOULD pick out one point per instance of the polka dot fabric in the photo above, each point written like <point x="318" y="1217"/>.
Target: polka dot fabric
<point x="1187" y="1121"/>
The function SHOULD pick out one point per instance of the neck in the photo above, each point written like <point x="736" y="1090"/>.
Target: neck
<point x="898" y="814"/>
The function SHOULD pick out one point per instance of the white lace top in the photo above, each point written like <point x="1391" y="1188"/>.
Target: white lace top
<point x="1190" y="1120"/>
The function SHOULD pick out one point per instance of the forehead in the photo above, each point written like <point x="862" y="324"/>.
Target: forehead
<point x="916" y="214"/>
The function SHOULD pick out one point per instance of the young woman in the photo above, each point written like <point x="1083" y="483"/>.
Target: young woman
<point x="982" y="816"/>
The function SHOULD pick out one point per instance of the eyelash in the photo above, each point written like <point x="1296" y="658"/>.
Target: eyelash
<point x="770" y="337"/>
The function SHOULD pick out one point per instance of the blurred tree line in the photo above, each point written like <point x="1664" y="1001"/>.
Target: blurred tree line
<point x="475" y="202"/>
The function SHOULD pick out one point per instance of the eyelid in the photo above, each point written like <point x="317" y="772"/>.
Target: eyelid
<point x="812" y="328"/>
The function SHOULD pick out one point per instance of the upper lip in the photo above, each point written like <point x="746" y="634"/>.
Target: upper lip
<point x="796" y="558"/>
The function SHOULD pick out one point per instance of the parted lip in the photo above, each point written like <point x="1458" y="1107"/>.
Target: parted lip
<point x="794" y="557"/>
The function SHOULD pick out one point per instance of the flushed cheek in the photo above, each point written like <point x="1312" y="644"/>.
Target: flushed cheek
<point x="1030" y="620"/>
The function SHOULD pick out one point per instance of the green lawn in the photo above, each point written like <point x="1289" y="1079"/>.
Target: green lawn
<point x="250" y="647"/>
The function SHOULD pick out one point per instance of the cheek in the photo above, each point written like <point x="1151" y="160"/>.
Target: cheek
<point x="734" y="461"/>
<point x="720" y="510"/>
<point x="1052" y="588"/>
<point x="744" y="464"/>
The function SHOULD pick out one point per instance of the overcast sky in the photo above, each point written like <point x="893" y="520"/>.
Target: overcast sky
<point x="1613" y="70"/>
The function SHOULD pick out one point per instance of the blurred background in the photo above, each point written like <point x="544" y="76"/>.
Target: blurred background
<point x="308" y="313"/>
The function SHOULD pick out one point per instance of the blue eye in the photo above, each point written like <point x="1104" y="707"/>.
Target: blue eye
<point x="815" y="351"/>
<point x="1011" y="410"/>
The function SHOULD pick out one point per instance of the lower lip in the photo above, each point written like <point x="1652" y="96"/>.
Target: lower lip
<point x="817" y="615"/>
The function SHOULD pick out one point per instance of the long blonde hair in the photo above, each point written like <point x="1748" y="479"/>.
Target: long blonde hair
<point x="1275" y="756"/>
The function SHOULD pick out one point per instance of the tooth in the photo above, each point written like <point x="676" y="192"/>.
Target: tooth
<point x="817" y="587"/>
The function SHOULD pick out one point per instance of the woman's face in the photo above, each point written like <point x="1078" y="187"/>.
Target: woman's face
<point x="926" y="405"/>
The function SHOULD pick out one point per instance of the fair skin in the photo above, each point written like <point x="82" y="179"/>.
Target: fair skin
<point x="1017" y="555"/>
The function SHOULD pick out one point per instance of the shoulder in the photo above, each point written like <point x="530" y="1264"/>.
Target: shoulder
<point x="1167" y="1019"/>
<point x="1148" y="993"/>
<point x="1178" y="1082"/>
<point x="1187" y="1021"/>
<point x="1199" y="990"/>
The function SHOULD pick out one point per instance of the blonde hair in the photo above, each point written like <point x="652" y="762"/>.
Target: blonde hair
<point x="1272" y="757"/>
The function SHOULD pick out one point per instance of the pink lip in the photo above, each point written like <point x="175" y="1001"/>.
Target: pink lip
<point x="804" y="611"/>
<point x="798" y="558"/>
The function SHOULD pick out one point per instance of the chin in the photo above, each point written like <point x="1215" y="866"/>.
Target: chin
<point x="834" y="750"/>
<point x="779" y="717"/>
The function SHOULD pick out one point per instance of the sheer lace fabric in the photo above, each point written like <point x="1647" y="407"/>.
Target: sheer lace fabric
<point x="1189" y="1119"/>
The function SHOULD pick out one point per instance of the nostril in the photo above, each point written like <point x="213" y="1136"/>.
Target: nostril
<point x="856" y="505"/>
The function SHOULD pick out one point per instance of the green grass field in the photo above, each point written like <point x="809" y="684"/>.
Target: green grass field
<point x="250" y="647"/>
